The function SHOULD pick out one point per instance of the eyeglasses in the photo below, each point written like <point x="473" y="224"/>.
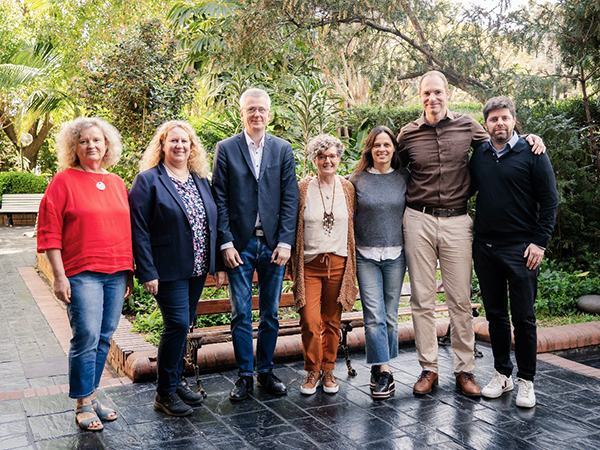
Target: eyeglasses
<point x="331" y="157"/>
<point x="253" y="110"/>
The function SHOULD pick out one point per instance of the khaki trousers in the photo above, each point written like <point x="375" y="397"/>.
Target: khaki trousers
<point x="449" y="239"/>
<point x="321" y="316"/>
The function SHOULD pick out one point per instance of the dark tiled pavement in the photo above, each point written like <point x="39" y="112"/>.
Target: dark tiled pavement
<point x="567" y="415"/>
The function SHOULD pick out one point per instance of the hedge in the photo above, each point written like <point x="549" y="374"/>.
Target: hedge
<point x="21" y="183"/>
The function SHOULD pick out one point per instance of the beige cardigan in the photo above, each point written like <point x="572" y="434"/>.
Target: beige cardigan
<point x="348" y="289"/>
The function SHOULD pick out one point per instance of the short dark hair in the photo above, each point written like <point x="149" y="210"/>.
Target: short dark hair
<point x="495" y="103"/>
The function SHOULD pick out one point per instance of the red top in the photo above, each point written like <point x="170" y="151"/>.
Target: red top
<point x="90" y="226"/>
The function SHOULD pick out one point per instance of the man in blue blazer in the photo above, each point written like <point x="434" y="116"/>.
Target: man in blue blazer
<point x="256" y="192"/>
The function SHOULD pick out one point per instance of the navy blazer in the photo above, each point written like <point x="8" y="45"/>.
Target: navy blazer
<point x="162" y="234"/>
<point x="239" y="195"/>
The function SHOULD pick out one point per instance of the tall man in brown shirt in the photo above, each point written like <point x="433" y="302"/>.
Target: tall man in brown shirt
<point x="437" y="227"/>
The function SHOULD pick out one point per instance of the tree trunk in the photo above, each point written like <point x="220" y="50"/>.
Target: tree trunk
<point x="588" y="118"/>
<point x="39" y="136"/>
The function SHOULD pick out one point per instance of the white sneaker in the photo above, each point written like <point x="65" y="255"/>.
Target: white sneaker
<point x="498" y="386"/>
<point x="525" y="394"/>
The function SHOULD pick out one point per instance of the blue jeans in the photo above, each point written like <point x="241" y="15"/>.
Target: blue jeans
<point x="177" y="301"/>
<point x="94" y="313"/>
<point x="380" y="286"/>
<point x="256" y="256"/>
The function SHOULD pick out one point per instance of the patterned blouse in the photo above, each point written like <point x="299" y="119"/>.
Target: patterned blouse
<point x="196" y="213"/>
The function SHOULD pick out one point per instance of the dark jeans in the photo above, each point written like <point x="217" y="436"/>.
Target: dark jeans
<point x="256" y="256"/>
<point x="177" y="301"/>
<point x="497" y="266"/>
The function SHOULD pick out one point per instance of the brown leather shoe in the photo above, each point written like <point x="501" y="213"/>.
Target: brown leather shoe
<point x="465" y="381"/>
<point x="424" y="385"/>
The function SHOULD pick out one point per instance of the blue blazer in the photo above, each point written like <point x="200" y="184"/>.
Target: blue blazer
<point x="162" y="235"/>
<point x="239" y="195"/>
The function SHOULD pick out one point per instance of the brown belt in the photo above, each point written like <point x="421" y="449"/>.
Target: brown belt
<point x="438" y="212"/>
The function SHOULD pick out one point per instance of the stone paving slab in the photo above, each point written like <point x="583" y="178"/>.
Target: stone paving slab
<point x="566" y="415"/>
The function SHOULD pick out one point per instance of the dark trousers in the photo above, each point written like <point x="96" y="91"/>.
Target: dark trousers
<point x="497" y="267"/>
<point x="177" y="301"/>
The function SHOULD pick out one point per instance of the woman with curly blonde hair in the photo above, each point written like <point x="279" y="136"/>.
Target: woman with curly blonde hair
<point x="84" y="228"/>
<point x="174" y="223"/>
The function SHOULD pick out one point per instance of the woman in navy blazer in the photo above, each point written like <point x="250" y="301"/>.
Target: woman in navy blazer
<point x="174" y="227"/>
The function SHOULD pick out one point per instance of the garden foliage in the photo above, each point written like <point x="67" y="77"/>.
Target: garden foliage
<point x="21" y="183"/>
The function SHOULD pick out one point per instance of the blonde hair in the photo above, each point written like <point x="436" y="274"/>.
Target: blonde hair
<point x="154" y="153"/>
<point x="434" y="73"/>
<point x="70" y="132"/>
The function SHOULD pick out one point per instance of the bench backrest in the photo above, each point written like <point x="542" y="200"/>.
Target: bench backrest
<point x="21" y="203"/>
<point x="223" y="305"/>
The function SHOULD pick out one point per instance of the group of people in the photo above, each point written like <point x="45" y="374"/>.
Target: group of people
<point x="404" y="204"/>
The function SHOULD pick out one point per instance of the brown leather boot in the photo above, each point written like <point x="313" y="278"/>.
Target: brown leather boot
<point x="425" y="383"/>
<point x="465" y="381"/>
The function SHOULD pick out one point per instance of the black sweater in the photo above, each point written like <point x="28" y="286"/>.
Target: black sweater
<point x="517" y="197"/>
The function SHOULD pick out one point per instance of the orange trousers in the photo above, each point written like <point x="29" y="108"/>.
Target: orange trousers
<point x="321" y="316"/>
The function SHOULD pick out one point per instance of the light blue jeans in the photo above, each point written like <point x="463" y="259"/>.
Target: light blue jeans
<point x="94" y="313"/>
<point x="256" y="256"/>
<point x="380" y="286"/>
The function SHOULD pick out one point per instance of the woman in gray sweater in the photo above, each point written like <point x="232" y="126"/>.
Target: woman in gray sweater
<point x="380" y="182"/>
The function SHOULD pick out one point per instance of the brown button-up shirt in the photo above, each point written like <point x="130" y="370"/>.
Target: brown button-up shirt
<point x="438" y="156"/>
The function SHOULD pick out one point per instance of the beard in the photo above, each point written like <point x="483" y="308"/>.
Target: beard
<point x="502" y="136"/>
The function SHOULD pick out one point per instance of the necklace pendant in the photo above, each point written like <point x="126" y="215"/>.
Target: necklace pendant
<point x="100" y="185"/>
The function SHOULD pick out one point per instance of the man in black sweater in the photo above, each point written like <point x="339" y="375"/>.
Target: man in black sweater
<point x="515" y="214"/>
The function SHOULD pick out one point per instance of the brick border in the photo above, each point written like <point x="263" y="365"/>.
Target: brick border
<point x="564" y="337"/>
<point x="573" y="366"/>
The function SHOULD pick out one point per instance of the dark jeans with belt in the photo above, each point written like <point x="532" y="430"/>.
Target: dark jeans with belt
<point x="498" y="266"/>
<point x="177" y="301"/>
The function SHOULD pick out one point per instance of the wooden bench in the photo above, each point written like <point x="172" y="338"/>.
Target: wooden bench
<point x="19" y="204"/>
<point x="222" y="333"/>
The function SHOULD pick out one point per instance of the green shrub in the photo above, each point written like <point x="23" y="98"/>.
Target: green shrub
<point x="21" y="183"/>
<point x="559" y="289"/>
<point x="563" y="127"/>
<point x="140" y="301"/>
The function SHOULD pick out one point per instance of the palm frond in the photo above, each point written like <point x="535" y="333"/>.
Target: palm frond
<point x="16" y="75"/>
<point x="43" y="101"/>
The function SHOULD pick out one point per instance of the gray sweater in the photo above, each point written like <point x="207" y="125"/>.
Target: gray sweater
<point x="380" y="202"/>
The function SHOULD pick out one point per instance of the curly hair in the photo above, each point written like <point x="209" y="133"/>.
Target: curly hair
<point x="366" y="157"/>
<point x="154" y="153"/>
<point x="321" y="143"/>
<point x="70" y="132"/>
